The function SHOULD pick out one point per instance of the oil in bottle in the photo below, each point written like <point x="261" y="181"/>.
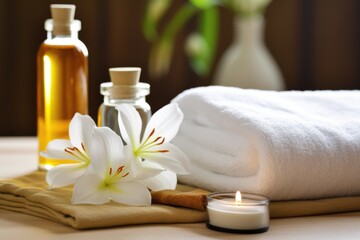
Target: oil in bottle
<point x="62" y="79"/>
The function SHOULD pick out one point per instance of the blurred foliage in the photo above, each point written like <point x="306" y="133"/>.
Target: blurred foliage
<point x="200" y="45"/>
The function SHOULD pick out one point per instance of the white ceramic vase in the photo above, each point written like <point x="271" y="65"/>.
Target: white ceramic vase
<point x="247" y="63"/>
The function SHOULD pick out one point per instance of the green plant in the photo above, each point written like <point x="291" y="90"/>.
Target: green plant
<point x="200" y="45"/>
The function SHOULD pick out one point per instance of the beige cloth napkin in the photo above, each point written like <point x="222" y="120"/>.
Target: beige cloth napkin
<point x="29" y="194"/>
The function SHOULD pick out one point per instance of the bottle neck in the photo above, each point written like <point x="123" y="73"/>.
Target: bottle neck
<point x="249" y="30"/>
<point x="113" y="93"/>
<point x="115" y="101"/>
<point x="57" y="29"/>
<point x="64" y="34"/>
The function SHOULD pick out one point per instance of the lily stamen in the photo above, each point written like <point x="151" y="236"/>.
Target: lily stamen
<point x="157" y="139"/>
<point x="163" y="151"/>
<point x="155" y="151"/>
<point x="163" y="140"/>
<point x="145" y="143"/>
<point x="152" y="143"/>
<point x="76" y="153"/>
<point x="151" y="133"/>
<point x="111" y="178"/>
<point x="83" y="147"/>
<point x="120" y="169"/>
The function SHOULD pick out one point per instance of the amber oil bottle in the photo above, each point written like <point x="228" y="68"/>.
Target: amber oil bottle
<point x="62" y="79"/>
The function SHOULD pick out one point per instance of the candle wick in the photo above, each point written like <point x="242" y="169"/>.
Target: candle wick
<point x="238" y="197"/>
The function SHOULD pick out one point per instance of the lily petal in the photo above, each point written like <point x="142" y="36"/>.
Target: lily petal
<point x="174" y="160"/>
<point x="56" y="150"/>
<point x="87" y="190"/>
<point x="80" y="131"/>
<point x="106" y="149"/>
<point x="162" y="181"/>
<point x="146" y="169"/>
<point x="166" y="122"/>
<point x="64" y="174"/>
<point x="131" y="193"/>
<point x="132" y="164"/>
<point x="129" y="124"/>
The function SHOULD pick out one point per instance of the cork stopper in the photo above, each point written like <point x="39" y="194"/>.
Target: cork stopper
<point x="62" y="14"/>
<point x="62" y="22"/>
<point x="125" y="75"/>
<point x="125" y="83"/>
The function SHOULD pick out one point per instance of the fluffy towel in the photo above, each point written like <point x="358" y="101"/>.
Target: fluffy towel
<point x="284" y="145"/>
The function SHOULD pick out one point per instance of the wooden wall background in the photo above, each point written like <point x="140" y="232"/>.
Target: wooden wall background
<point x="315" y="42"/>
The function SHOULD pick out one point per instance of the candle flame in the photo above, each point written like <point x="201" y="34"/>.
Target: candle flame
<point x="238" y="197"/>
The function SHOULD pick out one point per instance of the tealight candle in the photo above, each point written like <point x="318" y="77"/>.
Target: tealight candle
<point x="238" y="213"/>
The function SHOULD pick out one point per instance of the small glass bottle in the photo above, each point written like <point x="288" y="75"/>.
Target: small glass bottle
<point x="123" y="88"/>
<point x="62" y="78"/>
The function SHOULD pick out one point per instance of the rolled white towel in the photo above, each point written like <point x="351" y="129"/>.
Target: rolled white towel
<point x="285" y="145"/>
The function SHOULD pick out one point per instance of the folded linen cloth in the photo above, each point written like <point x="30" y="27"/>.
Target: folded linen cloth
<point x="284" y="145"/>
<point x="29" y="194"/>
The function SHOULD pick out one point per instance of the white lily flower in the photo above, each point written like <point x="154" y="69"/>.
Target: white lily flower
<point x="108" y="177"/>
<point x="154" y="150"/>
<point x="75" y="149"/>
